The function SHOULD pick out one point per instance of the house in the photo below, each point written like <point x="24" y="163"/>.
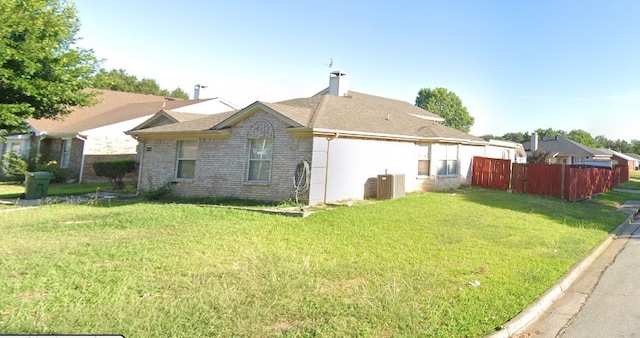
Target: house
<point x="329" y="147"/>
<point x="620" y="159"/>
<point x="96" y="133"/>
<point x="636" y="157"/>
<point x="564" y="151"/>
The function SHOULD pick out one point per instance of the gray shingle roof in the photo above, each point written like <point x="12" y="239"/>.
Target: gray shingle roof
<point x="564" y="147"/>
<point x="356" y="112"/>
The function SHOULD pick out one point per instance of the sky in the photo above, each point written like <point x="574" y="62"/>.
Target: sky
<point x="516" y="65"/>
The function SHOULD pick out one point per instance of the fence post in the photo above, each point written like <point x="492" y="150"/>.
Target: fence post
<point x="562" y="181"/>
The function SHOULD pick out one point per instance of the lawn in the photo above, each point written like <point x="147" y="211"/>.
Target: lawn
<point x="395" y="268"/>
<point x="15" y="190"/>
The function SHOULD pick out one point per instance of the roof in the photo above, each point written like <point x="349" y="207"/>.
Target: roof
<point x="635" y="156"/>
<point x="113" y="107"/>
<point x="617" y="154"/>
<point x="356" y="113"/>
<point x="564" y="147"/>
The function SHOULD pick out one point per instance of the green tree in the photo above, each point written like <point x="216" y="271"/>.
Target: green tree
<point x="542" y="133"/>
<point x="42" y="73"/>
<point x="119" y="80"/>
<point x="447" y="105"/>
<point x="635" y="146"/>
<point x="603" y="142"/>
<point x="621" y="146"/>
<point x="518" y="137"/>
<point x="582" y="137"/>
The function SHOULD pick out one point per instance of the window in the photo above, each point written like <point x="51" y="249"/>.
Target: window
<point x="66" y="153"/>
<point x="260" y="150"/>
<point x="423" y="159"/>
<point x="448" y="160"/>
<point x="186" y="166"/>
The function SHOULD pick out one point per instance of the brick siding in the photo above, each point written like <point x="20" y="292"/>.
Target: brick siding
<point x="221" y="163"/>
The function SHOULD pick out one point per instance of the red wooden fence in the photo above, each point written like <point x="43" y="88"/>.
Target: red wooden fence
<point x="491" y="173"/>
<point x="568" y="182"/>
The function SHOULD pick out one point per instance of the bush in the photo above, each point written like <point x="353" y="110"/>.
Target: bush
<point x="58" y="175"/>
<point x="15" y="166"/>
<point x="115" y="170"/>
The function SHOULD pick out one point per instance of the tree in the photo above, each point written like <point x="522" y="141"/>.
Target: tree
<point x="447" y="105"/>
<point x="518" y="137"/>
<point x="542" y="133"/>
<point x="42" y="73"/>
<point x="582" y="137"/>
<point x="603" y="142"/>
<point x="119" y="80"/>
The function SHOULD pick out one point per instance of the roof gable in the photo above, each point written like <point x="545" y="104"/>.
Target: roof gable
<point x="113" y="107"/>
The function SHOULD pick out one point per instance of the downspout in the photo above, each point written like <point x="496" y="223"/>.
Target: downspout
<point x="141" y="148"/>
<point x="84" y="149"/>
<point x="326" y="167"/>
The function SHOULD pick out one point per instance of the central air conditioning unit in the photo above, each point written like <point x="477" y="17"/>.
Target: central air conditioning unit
<point x="390" y="186"/>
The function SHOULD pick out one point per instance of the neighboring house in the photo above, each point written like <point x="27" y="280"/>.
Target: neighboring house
<point x="96" y="133"/>
<point x="564" y="151"/>
<point x="338" y="140"/>
<point x="636" y="157"/>
<point x="620" y="159"/>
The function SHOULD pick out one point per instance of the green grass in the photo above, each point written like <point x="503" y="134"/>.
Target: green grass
<point x="15" y="190"/>
<point x="393" y="268"/>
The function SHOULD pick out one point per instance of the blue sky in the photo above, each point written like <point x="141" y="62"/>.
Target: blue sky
<point x="516" y="65"/>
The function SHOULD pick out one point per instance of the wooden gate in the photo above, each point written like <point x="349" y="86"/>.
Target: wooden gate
<point x="491" y="173"/>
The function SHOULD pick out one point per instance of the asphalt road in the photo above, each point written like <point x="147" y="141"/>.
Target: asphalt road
<point x="613" y="308"/>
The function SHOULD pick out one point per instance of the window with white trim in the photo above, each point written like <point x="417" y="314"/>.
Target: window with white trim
<point x="259" y="168"/>
<point x="448" y="160"/>
<point x="65" y="149"/>
<point x="186" y="161"/>
<point x="423" y="160"/>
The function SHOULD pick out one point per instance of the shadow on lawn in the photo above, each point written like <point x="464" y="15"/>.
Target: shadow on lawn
<point x="598" y="212"/>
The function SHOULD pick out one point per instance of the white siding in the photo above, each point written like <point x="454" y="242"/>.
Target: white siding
<point x="352" y="162"/>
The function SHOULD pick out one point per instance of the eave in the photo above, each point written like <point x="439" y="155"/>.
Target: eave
<point x="222" y="133"/>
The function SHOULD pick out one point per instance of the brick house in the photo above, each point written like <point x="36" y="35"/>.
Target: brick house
<point x="335" y="143"/>
<point x="565" y="151"/>
<point x="96" y="133"/>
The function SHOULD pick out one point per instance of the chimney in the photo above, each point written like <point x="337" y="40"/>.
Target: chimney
<point x="534" y="141"/>
<point x="338" y="83"/>
<point x="196" y="91"/>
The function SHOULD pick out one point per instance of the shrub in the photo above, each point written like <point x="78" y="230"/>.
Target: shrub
<point x="115" y="170"/>
<point x="58" y="175"/>
<point x="15" y="166"/>
<point x="155" y="194"/>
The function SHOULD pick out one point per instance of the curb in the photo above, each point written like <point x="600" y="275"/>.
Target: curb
<point x="546" y="300"/>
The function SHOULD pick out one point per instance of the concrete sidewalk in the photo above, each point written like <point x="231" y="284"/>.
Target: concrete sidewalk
<point x="567" y="308"/>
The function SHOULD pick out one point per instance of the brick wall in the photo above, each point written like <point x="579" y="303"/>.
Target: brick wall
<point x="51" y="150"/>
<point x="89" y="175"/>
<point x="221" y="163"/>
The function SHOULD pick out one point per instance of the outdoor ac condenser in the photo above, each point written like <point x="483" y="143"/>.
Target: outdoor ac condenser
<point x="390" y="186"/>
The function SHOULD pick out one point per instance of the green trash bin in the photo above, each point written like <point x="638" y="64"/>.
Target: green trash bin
<point x="36" y="184"/>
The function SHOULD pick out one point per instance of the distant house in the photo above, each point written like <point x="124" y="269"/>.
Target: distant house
<point x="564" y="151"/>
<point x="620" y="159"/>
<point x="329" y="147"/>
<point x="95" y="133"/>
<point x="636" y="157"/>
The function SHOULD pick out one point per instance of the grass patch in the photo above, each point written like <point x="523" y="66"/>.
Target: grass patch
<point x="15" y="190"/>
<point x="392" y="268"/>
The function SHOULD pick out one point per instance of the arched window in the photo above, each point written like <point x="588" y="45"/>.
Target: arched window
<point x="260" y="138"/>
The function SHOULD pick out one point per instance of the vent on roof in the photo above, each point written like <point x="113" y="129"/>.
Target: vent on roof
<point x="338" y="83"/>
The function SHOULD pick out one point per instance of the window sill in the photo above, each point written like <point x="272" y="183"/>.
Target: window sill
<point x="182" y="180"/>
<point x="259" y="183"/>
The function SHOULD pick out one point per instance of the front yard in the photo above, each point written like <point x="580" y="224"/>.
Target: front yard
<point x="435" y="264"/>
